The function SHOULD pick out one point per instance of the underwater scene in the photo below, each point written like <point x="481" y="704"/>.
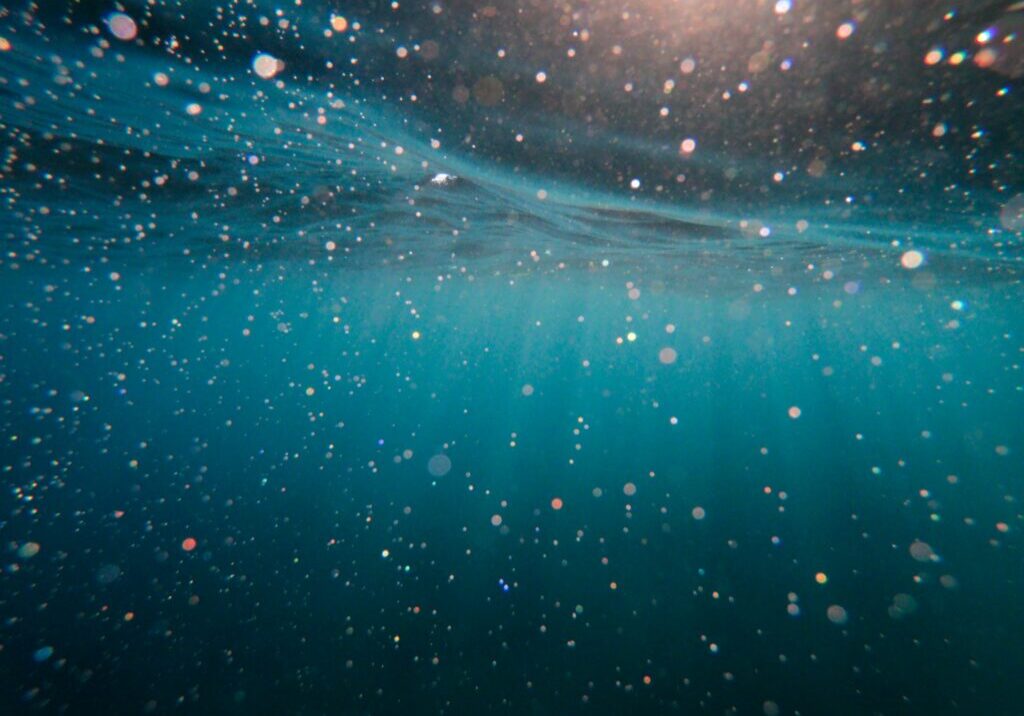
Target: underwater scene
<point x="534" y="357"/>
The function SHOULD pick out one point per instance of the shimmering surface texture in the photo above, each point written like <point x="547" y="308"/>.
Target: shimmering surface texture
<point x="527" y="358"/>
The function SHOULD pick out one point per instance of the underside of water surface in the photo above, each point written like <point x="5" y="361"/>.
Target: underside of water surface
<point x="616" y="357"/>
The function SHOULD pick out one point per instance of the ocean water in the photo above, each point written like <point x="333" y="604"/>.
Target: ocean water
<point x="443" y="358"/>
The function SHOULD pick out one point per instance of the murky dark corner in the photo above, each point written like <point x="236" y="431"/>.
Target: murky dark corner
<point x="512" y="357"/>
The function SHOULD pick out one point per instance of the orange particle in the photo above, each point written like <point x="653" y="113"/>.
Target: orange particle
<point x="647" y="679"/>
<point x="556" y="503"/>
<point x="188" y="544"/>
<point x="820" y="577"/>
<point x="986" y="57"/>
<point x="128" y="616"/>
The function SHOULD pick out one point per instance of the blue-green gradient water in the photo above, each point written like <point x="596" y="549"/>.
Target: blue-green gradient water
<point x="388" y="383"/>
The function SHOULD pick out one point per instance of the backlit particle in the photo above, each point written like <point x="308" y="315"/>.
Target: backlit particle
<point x="122" y="26"/>
<point x="108" y="574"/>
<point x="416" y="335"/>
<point x="821" y="578"/>
<point x="794" y="412"/>
<point x="527" y="390"/>
<point x="687" y="146"/>
<point x="5" y="44"/>
<point x="845" y="30"/>
<point x="698" y="513"/>
<point x="667" y="355"/>
<point x="629" y="489"/>
<point x="188" y="544"/>
<point x="496" y="520"/>
<point x="542" y="77"/>
<point x="912" y="259"/>
<point x="922" y="552"/>
<point x="556" y="503"/>
<point x="986" y="57"/>
<point x="933" y="57"/>
<point x="439" y="465"/>
<point x="837" y="614"/>
<point x="266" y="65"/>
<point x="28" y="550"/>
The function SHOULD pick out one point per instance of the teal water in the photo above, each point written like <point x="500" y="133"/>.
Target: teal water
<point x="290" y="425"/>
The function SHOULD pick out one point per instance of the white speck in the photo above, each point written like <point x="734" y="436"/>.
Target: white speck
<point x="443" y="179"/>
